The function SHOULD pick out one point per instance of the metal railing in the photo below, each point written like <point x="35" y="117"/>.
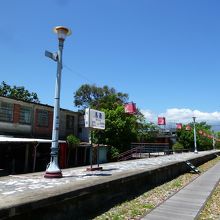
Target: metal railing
<point x="138" y="149"/>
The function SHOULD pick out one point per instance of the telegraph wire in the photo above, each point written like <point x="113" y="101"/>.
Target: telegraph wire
<point x="78" y="74"/>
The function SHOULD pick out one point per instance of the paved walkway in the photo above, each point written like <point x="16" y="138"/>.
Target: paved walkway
<point x="31" y="189"/>
<point x="21" y="185"/>
<point x="188" y="202"/>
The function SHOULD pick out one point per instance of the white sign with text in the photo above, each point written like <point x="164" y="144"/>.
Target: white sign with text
<point x="94" y="119"/>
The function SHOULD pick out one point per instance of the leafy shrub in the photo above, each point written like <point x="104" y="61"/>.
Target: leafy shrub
<point x="178" y="147"/>
<point x="113" y="153"/>
<point x="73" y="140"/>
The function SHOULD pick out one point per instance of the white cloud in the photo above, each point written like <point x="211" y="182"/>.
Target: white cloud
<point x="149" y="115"/>
<point x="183" y="115"/>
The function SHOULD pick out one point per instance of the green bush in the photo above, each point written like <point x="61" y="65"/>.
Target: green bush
<point x="178" y="147"/>
<point x="73" y="140"/>
<point x="113" y="153"/>
<point x="217" y="145"/>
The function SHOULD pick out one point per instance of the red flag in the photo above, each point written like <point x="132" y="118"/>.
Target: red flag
<point x="179" y="126"/>
<point x="188" y="128"/>
<point x="130" y="108"/>
<point x="161" y="121"/>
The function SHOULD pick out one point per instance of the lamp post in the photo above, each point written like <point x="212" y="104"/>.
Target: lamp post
<point x="53" y="170"/>
<point x="213" y="140"/>
<point x="195" y="146"/>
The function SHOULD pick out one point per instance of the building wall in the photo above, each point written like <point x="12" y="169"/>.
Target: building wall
<point x="34" y="128"/>
<point x="42" y="131"/>
<point x="64" y="130"/>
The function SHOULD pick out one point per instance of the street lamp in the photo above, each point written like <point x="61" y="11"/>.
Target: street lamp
<point x="213" y="140"/>
<point x="195" y="146"/>
<point x="53" y="170"/>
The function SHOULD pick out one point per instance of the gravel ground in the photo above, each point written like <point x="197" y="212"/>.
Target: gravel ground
<point x="212" y="208"/>
<point x="136" y="208"/>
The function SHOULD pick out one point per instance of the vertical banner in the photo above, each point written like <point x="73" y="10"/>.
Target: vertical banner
<point x="188" y="128"/>
<point x="161" y="121"/>
<point x="130" y="108"/>
<point x="179" y="126"/>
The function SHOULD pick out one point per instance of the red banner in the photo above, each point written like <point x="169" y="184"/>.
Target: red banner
<point x="179" y="126"/>
<point x="161" y="121"/>
<point x="130" y="108"/>
<point x="188" y="128"/>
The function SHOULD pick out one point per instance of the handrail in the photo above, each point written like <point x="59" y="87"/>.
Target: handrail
<point x="155" y="147"/>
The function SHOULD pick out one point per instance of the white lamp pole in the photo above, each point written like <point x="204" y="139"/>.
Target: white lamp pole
<point x="195" y="145"/>
<point x="213" y="140"/>
<point x="53" y="170"/>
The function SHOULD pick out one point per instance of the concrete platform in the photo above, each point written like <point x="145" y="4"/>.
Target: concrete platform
<point x="189" y="201"/>
<point x="81" y="194"/>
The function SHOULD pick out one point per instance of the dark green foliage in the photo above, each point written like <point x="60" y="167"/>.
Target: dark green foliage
<point x="178" y="147"/>
<point x="186" y="138"/>
<point x="121" y="128"/>
<point x="18" y="92"/>
<point x="72" y="140"/>
<point x="113" y="153"/>
<point x="73" y="143"/>
<point x="98" y="97"/>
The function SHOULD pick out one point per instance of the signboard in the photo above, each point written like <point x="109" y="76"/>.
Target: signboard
<point x="94" y="119"/>
<point x="161" y="121"/>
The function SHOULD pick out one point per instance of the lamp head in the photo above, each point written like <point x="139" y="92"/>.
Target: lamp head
<point x="62" y="32"/>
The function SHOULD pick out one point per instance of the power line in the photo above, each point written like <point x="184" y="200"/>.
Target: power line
<point x="78" y="74"/>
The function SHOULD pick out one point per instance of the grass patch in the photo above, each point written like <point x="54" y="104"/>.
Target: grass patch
<point x="212" y="207"/>
<point x="144" y="203"/>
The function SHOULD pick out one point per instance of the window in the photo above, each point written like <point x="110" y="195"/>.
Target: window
<point x="25" y="115"/>
<point x="70" y="122"/>
<point x="6" y="112"/>
<point x="42" y="118"/>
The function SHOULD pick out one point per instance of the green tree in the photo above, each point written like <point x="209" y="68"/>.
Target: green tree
<point x="73" y="143"/>
<point x="98" y="97"/>
<point x="120" y="129"/>
<point x="17" y="92"/>
<point x="186" y="138"/>
<point x="146" y="132"/>
<point x="217" y="144"/>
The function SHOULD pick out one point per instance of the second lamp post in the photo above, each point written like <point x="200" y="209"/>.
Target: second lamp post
<point x="194" y="129"/>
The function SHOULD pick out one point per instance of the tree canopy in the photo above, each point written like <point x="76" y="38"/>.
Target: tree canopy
<point x="98" y="97"/>
<point x="18" y="92"/>
<point x="121" y="128"/>
<point x="186" y="137"/>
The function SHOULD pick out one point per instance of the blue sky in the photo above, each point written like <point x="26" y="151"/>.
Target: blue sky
<point x="164" y="54"/>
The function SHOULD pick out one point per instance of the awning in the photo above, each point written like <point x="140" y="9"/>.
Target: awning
<point x="6" y="139"/>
